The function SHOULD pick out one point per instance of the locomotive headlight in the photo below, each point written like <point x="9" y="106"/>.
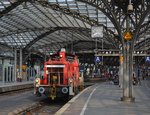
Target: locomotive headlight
<point x="37" y="80"/>
<point x="61" y="56"/>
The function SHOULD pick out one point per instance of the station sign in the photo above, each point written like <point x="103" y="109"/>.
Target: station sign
<point x="147" y="59"/>
<point x="98" y="59"/>
<point x="127" y="35"/>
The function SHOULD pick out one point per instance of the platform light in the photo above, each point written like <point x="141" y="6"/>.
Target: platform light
<point x="130" y="7"/>
<point x="141" y="52"/>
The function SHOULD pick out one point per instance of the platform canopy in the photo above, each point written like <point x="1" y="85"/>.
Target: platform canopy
<point x="47" y="25"/>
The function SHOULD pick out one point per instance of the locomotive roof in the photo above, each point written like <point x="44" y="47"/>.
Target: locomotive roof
<point x="69" y="56"/>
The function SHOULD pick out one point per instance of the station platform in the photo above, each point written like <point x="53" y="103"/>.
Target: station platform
<point x="105" y="99"/>
<point x="6" y="87"/>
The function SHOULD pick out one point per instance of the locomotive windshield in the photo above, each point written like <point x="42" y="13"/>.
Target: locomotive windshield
<point x="55" y="75"/>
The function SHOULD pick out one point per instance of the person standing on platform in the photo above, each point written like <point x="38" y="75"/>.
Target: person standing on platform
<point x="143" y="75"/>
<point x="107" y="76"/>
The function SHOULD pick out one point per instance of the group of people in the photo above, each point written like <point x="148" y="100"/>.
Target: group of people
<point x="136" y="78"/>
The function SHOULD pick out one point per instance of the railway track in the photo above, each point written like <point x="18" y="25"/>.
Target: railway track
<point x="44" y="107"/>
<point x="15" y="91"/>
<point x="27" y="104"/>
<point x="48" y="107"/>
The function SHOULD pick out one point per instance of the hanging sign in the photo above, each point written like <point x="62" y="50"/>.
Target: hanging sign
<point x="127" y="35"/>
<point x="97" y="31"/>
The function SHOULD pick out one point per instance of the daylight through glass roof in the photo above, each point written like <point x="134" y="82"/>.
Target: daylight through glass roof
<point x="53" y="24"/>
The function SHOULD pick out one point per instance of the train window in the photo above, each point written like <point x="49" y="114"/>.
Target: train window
<point x="42" y="75"/>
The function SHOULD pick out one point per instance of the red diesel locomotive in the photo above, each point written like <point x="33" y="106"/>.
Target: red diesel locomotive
<point x="61" y="77"/>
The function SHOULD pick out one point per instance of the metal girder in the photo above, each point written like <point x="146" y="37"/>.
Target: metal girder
<point x="114" y="41"/>
<point x="74" y="14"/>
<point x="142" y="15"/>
<point x="67" y="11"/>
<point x="76" y="42"/>
<point x="107" y="8"/>
<point x="40" y="37"/>
<point x="53" y="44"/>
<point x="13" y="5"/>
<point x="144" y="28"/>
<point x="57" y="8"/>
<point x="6" y="46"/>
<point x="116" y="14"/>
<point x="123" y="4"/>
<point x="68" y="44"/>
<point x="22" y="31"/>
<point x="51" y="31"/>
<point x="143" y="43"/>
<point x="56" y="29"/>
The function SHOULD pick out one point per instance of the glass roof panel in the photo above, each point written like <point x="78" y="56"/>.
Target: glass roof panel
<point x="83" y="9"/>
<point x="20" y="39"/>
<point x="30" y="20"/>
<point x="60" y="0"/>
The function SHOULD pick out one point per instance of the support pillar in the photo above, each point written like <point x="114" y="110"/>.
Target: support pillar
<point x="121" y="72"/>
<point x="127" y="74"/>
<point x="15" y="66"/>
<point x="130" y="72"/>
<point x="6" y="72"/>
<point x="3" y="71"/>
<point x="20" y="68"/>
<point x="9" y="73"/>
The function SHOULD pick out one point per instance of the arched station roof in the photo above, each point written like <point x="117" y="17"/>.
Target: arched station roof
<point x="48" y="25"/>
